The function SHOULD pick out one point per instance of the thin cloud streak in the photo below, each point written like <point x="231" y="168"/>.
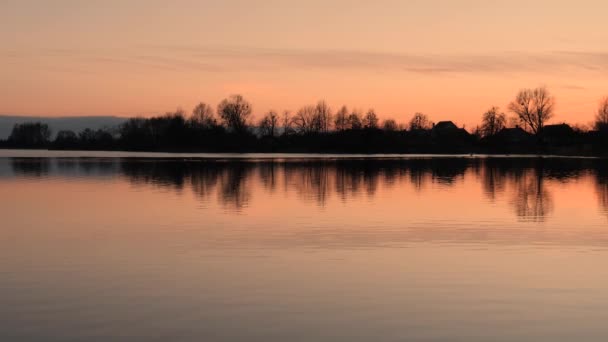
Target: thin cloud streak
<point x="264" y="59"/>
<point x="223" y="59"/>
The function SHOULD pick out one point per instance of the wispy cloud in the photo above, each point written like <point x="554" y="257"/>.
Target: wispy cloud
<point x="239" y="59"/>
<point x="572" y="87"/>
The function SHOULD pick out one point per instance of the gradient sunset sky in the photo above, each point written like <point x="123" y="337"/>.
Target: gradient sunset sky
<point x="448" y="59"/>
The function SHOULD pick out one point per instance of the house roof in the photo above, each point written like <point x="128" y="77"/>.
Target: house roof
<point x="445" y="125"/>
<point x="513" y="134"/>
<point x="561" y="129"/>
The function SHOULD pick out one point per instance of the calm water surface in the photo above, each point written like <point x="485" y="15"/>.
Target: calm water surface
<point x="110" y="248"/>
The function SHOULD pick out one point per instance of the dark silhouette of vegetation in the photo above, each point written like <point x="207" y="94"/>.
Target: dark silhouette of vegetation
<point x="601" y="120"/>
<point x="370" y="121"/>
<point x="269" y="124"/>
<point x="203" y="117"/>
<point x="317" y="129"/>
<point x="390" y="125"/>
<point x="533" y="107"/>
<point x="493" y="122"/>
<point x="420" y="122"/>
<point x="235" y="112"/>
<point x="30" y="135"/>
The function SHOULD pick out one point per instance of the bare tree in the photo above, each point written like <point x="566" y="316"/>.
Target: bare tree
<point x="234" y="112"/>
<point x="354" y="120"/>
<point x="420" y="121"/>
<point x="341" y="119"/>
<point x="390" y="125"/>
<point x="601" y="120"/>
<point x="268" y="124"/>
<point x="493" y="122"/>
<point x="306" y="120"/>
<point x="287" y="123"/>
<point x="370" y="120"/>
<point x="203" y="115"/>
<point x="533" y="107"/>
<point x="323" y="113"/>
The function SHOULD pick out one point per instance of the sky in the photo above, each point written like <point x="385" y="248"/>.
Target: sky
<point x="448" y="59"/>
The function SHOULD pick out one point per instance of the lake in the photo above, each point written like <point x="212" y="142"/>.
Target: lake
<point x="110" y="246"/>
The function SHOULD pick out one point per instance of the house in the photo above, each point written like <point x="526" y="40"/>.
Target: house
<point x="448" y="130"/>
<point x="445" y="126"/>
<point x="514" y="135"/>
<point x="557" y="134"/>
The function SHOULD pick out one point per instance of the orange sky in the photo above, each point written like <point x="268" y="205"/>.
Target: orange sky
<point x="449" y="59"/>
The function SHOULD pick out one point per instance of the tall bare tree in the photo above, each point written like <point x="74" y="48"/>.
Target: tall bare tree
<point x="370" y="120"/>
<point x="420" y="121"/>
<point x="354" y="120"/>
<point x="287" y="123"/>
<point x="306" y="120"/>
<point x="203" y="115"/>
<point x="341" y="119"/>
<point x="268" y="124"/>
<point x="323" y="113"/>
<point x="601" y="119"/>
<point x="533" y="107"/>
<point x="493" y="122"/>
<point x="234" y="112"/>
<point x="390" y="125"/>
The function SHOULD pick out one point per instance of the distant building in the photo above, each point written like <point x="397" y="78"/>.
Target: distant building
<point x="447" y="129"/>
<point x="445" y="126"/>
<point x="514" y="135"/>
<point x="557" y="134"/>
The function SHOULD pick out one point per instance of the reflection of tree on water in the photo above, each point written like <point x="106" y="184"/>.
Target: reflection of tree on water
<point x="602" y="193"/>
<point x="234" y="189"/>
<point x="521" y="181"/>
<point x="418" y="177"/>
<point x="525" y="179"/>
<point x="268" y="175"/>
<point x="448" y="171"/>
<point x="532" y="200"/>
<point x="310" y="180"/>
<point x="165" y="174"/>
<point x="204" y="179"/>
<point x="31" y="167"/>
<point x="498" y="172"/>
<point x="601" y="185"/>
<point x="493" y="182"/>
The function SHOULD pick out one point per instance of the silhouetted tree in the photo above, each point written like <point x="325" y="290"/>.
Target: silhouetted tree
<point x="341" y="119"/>
<point x="601" y="119"/>
<point x="323" y="114"/>
<point x="307" y="121"/>
<point x="354" y="121"/>
<point x="370" y="120"/>
<point x="533" y="107"/>
<point x="390" y="125"/>
<point x="87" y="136"/>
<point x="493" y="122"/>
<point x="420" y="121"/>
<point x="203" y="116"/>
<point x="95" y="139"/>
<point x="30" y="134"/>
<point x="287" y="123"/>
<point x="234" y="112"/>
<point x="268" y="124"/>
<point x="66" y="139"/>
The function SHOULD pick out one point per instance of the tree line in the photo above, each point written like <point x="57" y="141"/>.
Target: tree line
<point x="317" y="128"/>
